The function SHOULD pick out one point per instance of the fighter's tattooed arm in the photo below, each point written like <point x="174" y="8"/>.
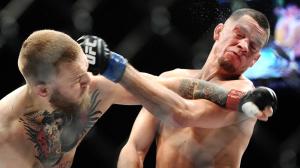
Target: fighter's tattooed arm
<point x="200" y="89"/>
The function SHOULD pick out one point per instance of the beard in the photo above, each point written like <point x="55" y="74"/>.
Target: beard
<point x="63" y="103"/>
<point x="226" y="65"/>
<point x="70" y="114"/>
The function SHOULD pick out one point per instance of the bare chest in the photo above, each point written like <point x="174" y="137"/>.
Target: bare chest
<point x="47" y="138"/>
<point x="15" y="150"/>
<point x="194" y="147"/>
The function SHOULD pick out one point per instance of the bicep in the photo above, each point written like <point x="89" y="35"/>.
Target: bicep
<point x="143" y="131"/>
<point x="124" y="97"/>
<point x="140" y="139"/>
<point x="114" y="92"/>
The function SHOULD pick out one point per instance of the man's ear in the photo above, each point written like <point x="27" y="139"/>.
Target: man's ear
<point x="42" y="90"/>
<point x="218" y="30"/>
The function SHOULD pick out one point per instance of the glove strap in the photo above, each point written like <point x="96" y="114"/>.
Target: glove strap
<point x="233" y="99"/>
<point x="115" y="68"/>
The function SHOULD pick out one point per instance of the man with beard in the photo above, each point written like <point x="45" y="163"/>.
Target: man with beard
<point x="43" y="122"/>
<point x="209" y="137"/>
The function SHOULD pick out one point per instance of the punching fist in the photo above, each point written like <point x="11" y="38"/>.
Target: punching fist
<point x="101" y="60"/>
<point x="253" y="101"/>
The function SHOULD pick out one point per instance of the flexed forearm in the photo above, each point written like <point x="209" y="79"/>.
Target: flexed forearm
<point x="152" y="95"/>
<point x="155" y="97"/>
<point x="231" y="99"/>
<point x="158" y="99"/>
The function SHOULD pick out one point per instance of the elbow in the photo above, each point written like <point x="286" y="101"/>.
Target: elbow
<point x="182" y="118"/>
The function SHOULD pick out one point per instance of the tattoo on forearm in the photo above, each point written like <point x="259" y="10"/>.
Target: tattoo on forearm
<point x="200" y="89"/>
<point x="57" y="132"/>
<point x="186" y="88"/>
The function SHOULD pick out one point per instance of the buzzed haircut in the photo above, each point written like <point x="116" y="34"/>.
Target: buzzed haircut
<point x="43" y="51"/>
<point x="258" y="16"/>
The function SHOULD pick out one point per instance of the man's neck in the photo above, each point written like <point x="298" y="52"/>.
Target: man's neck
<point x="35" y="102"/>
<point x="207" y="74"/>
<point x="211" y="70"/>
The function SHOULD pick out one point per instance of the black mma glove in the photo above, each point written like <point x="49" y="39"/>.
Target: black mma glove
<point x="101" y="60"/>
<point x="253" y="101"/>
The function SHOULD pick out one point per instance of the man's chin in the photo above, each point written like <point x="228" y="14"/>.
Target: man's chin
<point x="66" y="105"/>
<point x="227" y="66"/>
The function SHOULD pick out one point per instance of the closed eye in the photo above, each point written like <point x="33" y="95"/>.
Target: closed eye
<point x="239" y="35"/>
<point x="253" y="47"/>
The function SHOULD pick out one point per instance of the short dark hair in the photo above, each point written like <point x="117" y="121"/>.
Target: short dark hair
<point x="43" y="51"/>
<point x="258" y="16"/>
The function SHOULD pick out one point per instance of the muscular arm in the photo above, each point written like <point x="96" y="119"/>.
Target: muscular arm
<point x="198" y="89"/>
<point x="191" y="112"/>
<point x="190" y="88"/>
<point x="162" y="102"/>
<point x="209" y="104"/>
<point x="142" y="134"/>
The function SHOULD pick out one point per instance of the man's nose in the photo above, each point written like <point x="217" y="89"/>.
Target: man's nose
<point x="244" y="45"/>
<point x="85" y="80"/>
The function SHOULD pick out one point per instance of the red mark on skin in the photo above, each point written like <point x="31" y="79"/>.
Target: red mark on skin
<point x="42" y="140"/>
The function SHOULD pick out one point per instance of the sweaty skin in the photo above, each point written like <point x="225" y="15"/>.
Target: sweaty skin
<point x="214" y="147"/>
<point x="203" y="146"/>
<point x="43" y="122"/>
<point x="35" y="134"/>
<point x="40" y="136"/>
<point x="211" y="136"/>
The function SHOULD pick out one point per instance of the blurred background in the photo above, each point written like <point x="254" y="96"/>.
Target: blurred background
<point x="160" y="35"/>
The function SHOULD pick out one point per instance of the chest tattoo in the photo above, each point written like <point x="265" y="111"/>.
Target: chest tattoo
<point x="57" y="132"/>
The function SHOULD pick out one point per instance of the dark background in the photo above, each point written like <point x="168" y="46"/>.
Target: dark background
<point x="156" y="36"/>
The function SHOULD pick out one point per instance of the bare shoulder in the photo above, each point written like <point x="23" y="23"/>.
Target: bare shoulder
<point x="242" y="84"/>
<point x="192" y="73"/>
<point x="101" y="84"/>
<point x="8" y="109"/>
<point x="9" y="104"/>
<point x="106" y="90"/>
<point x="246" y="84"/>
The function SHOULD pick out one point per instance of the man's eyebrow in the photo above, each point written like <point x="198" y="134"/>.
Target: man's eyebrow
<point x="77" y="76"/>
<point x="256" y="39"/>
<point x="80" y="75"/>
<point x="236" y="28"/>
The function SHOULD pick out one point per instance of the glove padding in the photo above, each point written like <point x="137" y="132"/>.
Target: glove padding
<point x="252" y="102"/>
<point x="101" y="60"/>
<point x="258" y="99"/>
